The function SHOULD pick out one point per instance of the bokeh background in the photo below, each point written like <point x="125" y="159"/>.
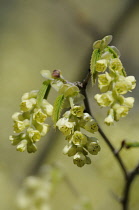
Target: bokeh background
<point x="58" y="34"/>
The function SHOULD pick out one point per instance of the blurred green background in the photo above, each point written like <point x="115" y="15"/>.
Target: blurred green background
<point x="58" y="34"/>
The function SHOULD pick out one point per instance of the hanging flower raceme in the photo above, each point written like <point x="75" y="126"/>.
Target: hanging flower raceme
<point x="75" y="124"/>
<point x="37" y="192"/>
<point x="113" y="82"/>
<point x="29" y="124"/>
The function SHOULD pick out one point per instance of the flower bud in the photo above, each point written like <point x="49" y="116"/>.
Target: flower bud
<point x="93" y="146"/>
<point x="64" y="126"/>
<point x="78" y="138"/>
<point x="46" y="74"/>
<point x="29" y="95"/>
<point x="31" y="148"/>
<point x="34" y="135"/>
<point x="116" y="65"/>
<point x="15" y="139"/>
<point x="67" y="114"/>
<point x="120" y="111"/>
<point x="77" y="111"/>
<point x="39" y="116"/>
<point x="19" y="126"/>
<point x="131" y="82"/>
<point x="79" y="159"/>
<point x="69" y="90"/>
<point x="27" y="105"/>
<point x="43" y="128"/>
<point x="109" y="120"/>
<point x="70" y="150"/>
<point x="91" y="126"/>
<point x="22" y="146"/>
<point x="129" y="102"/>
<point x="105" y="99"/>
<point x="121" y="87"/>
<point x="104" y="81"/>
<point x="17" y="116"/>
<point x="47" y="107"/>
<point x="86" y="117"/>
<point x="101" y="65"/>
<point x="106" y="55"/>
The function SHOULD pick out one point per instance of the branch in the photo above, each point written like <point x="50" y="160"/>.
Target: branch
<point x="131" y="176"/>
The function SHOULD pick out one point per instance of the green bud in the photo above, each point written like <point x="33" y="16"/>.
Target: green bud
<point x="86" y="117"/>
<point x="67" y="114"/>
<point x="18" y="116"/>
<point x="70" y="150"/>
<point x="65" y="126"/>
<point x="129" y="102"/>
<point x="34" y="135"/>
<point x="116" y="65"/>
<point x="106" y="55"/>
<point x="121" y="87"/>
<point x="27" y="105"/>
<point x="19" y="126"/>
<point x="39" y="116"/>
<point x="92" y="146"/>
<point x="105" y="99"/>
<point x="79" y="159"/>
<point x="109" y="120"/>
<point x="104" y="81"/>
<point x="31" y="148"/>
<point x="91" y="126"/>
<point x="77" y="111"/>
<point x="78" y="138"/>
<point x="57" y="84"/>
<point x="69" y="90"/>
<point x="42" y="128"/>
<point x="46" y="74"/>
<point x="22" y="146"/>
<point x="101" y="65"/>
<point x="131" y="82"/>
<point x="120" y="111"/>
<point x="29" y="95"/>
<point x="47" y="107"/>
<point x="16" y="139"/>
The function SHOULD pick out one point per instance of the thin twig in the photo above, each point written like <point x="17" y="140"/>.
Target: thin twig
<point x="129" y="176"/>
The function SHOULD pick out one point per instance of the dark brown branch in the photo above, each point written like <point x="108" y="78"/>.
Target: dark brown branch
<point x="131" y="176"/>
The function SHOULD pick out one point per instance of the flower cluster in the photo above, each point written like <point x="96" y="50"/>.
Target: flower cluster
<point x="112" y="82"/>
<point x="37" y="191"/>
<point x="29" y="124"/>
<point x="76" y="124"/>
